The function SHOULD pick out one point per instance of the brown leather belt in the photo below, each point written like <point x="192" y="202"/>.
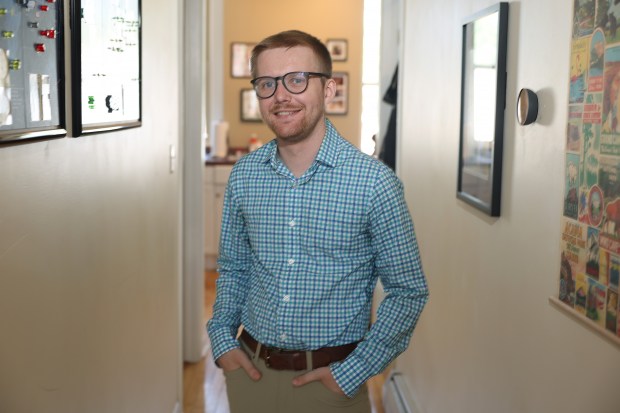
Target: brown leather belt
<point x="279" y="359"/>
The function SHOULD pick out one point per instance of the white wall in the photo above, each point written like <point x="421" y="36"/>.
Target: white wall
<point x="89" y="256"/>
<point x="489" y="341"/>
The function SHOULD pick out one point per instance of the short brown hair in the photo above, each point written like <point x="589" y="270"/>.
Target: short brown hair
<point x="289" y="39"/>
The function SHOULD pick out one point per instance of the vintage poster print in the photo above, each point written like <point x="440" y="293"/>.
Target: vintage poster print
<point x="571" y="186"/>
<point x="592" y="264"/>
<point x="573" y="260"/>
<point x="614" y="271"/>
<point x="583" y="18"/>
<point x="579" y="68"/>
<point x="611" y="313"/>
<point x="603" y="265"/>
<point x="597" y="62"/>
<point x="595" y="206"/>
<point x="591" y="154"/>
<point x="573" y="131"/>
<point x="611" y="104"/>
<point x="581" y="293"/>
<point x="590" y="238"/>
<point x="595" y="302"/>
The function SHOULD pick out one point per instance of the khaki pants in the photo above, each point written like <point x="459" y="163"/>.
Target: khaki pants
<point x="274" y="393"/>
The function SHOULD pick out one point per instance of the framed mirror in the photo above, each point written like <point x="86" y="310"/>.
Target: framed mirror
<point x="106" y="62"/>
<point x="483" y="102"/>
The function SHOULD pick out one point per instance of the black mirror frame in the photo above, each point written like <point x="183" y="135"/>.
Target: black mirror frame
<point x="490" y="204"/>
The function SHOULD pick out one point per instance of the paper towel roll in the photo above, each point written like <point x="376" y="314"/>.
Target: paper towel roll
<point x="221" y="140"/>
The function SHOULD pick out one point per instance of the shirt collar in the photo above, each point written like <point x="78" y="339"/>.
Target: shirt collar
<point x="328" y="152"/>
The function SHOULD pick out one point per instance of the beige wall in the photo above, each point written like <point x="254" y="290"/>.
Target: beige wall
<point x="251" y="21"/>
<point x="89" y="260"/>
<point x="489" y="341"/>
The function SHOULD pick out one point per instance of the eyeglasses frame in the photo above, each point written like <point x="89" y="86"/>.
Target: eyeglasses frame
<point x="307" y="75"/>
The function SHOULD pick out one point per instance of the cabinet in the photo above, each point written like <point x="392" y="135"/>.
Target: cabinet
<point x="215" y="179"/>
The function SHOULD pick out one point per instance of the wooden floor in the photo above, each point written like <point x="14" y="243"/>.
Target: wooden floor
<point x="204" y="389"/>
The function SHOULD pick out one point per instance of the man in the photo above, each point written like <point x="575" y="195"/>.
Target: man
<point x="309" y="225"/>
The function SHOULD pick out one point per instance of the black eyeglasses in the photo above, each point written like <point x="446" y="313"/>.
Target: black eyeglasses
<point x="295" y="82"/>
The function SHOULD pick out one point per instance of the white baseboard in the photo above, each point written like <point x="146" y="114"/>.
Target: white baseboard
<point x="177" y="408"/>
<point x="397" y="397"/>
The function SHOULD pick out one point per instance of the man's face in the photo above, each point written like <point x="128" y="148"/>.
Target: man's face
<point x="294" y="117"/>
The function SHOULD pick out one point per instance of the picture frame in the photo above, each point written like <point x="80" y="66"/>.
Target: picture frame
<point x="240" y="53"/>
<point x="32" y="72"/>
<point x="338" y="49"/>
<point x="106" y="57"/>
<point x="483" y="97"/>
<point x="340" y="103"/>
<point x="248" y="107"/>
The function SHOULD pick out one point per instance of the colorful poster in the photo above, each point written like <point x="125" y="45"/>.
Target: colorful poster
<point x="573" y="134"/>
<point x="581" y="293"/>
<point x="590" y="238"/>
<point x="611" y="314"/>
<point x="571" y="189"/>
<point x="614" y="271"/>
<point x="595" y="302"/>
<point x="579" y="67"/>
<point x="592" y="264"/>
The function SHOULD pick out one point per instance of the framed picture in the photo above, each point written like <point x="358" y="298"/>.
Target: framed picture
<point x="240" y="54"/>
<point x="483" y="97"/>
<point x="106" y="47"/>
<point x="340" y="104"/>
<point x="32" y="77"/>
<point x="249" y="106"/>
<point x="337" y="49"/>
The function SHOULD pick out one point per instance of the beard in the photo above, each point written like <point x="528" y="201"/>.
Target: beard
<point x="293" y="127"/>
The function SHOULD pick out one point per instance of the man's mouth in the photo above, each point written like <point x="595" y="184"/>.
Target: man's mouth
<point x="285" y="112"/>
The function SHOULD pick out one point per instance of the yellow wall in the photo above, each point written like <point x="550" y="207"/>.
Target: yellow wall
<point x="251" y="21"/>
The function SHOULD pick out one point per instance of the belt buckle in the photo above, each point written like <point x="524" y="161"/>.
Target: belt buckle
<point x="271" y="350"/>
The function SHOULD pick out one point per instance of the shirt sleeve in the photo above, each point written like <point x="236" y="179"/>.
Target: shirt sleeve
<point x="232" y="286"/>
<point x="398" y="265"/>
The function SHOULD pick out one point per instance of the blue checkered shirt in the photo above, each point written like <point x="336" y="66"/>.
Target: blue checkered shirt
<point x="300" y="258"/>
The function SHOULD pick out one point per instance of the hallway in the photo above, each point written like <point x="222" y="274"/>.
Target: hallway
<point x="204" y="389"/>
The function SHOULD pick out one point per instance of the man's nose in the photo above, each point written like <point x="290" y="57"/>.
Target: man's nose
<point x="281" y="93"/>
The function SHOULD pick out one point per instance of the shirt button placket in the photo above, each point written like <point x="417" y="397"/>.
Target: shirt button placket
<point x="290" y="261"/>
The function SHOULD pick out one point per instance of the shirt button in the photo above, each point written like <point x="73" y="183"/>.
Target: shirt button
<point x="283" y="337"/>
<point x="291" y="223"/>
<point x="286" y="298"/>
<point x="291" y="261"/>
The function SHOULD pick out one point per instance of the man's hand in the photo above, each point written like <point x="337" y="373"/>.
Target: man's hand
<point x="237" y="359"/>
<point x="324" y="375"/>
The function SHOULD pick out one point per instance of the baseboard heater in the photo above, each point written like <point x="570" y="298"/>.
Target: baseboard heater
<point x="396" y="395"/>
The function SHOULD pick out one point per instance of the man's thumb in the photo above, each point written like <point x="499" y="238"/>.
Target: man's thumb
<point x="251" y="370"/>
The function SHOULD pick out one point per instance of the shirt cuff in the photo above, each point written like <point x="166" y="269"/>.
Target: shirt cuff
<point x="222" y="341"/>
<point x="350" y="374"/>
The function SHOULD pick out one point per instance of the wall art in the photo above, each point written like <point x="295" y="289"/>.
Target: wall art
<point x="340" y="103"/>
<point x="590" y="237"/>
<point x="338" y="49"/>
<point x="240" y="54"/>
<point x="32" y="95"/>
<point x="106" y="48"/>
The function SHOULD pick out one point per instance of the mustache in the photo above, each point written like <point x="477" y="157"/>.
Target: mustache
<point x="284" y="108"/>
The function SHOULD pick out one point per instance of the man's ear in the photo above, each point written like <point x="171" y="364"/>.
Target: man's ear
<point x="329" y="90"/>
